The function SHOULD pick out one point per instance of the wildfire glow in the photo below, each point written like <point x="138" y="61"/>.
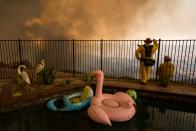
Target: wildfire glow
<point x="99" y="19"/>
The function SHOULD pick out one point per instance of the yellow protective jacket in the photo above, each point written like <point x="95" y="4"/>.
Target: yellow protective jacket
<point x="166" y="70"/>
<point x="140" y="52"/>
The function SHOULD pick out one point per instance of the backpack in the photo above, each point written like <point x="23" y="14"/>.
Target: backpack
<point x="148" y="50"/>
<point x="148" y="61"/>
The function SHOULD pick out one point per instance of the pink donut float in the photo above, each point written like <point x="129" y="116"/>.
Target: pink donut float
<point x="105" y="108"/>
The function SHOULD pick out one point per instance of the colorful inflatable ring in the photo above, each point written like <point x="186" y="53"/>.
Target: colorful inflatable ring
<point x="65" y="104"/>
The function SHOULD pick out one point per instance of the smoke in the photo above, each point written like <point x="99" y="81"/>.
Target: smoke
<point x="97" y="19"/>
<point x="172" y="20"/>
<point x="89" y="19"/>
<point x="13" y="14"/>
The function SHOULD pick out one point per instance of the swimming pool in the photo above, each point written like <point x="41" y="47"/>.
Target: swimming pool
<point x="152" y="115"/>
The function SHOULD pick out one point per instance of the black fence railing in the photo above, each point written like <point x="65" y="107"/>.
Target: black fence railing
<point x="73" y="58"/>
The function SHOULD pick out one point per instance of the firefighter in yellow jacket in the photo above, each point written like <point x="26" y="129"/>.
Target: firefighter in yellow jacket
<point x="165" y="71"/>
<point x="143" y="53"/>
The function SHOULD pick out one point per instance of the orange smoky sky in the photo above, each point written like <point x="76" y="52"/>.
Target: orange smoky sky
<point x="97" y="19"/>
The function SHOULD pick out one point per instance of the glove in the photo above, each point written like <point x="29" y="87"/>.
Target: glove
<point x="154" y="41"/>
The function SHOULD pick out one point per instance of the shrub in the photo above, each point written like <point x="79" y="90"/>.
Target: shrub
<point x="46" y="76"/>
<point x="164" y="82"/>
<point x="68" y="81"/>
<point x="88" y="78"/>
<point x="18" y="80"/>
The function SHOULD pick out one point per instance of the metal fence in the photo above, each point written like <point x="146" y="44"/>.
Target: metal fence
<point x="73" y="58"/>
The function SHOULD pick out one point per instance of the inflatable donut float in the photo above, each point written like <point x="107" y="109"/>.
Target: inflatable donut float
<point x="74" y="101"/>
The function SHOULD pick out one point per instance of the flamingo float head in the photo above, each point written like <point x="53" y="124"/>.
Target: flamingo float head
<point x="97" y="73"/>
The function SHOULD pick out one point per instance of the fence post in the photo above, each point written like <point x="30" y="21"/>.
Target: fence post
<point x="20" y="52"/>
<point x="158" y="59"/>
<point x="73" y="47"/>
<point x="101" y="53"/>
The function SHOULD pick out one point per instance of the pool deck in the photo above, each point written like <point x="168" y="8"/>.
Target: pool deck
<point x="174" y="93"/>
<point x="187" y="90"/>
<point x="36" y="96"/>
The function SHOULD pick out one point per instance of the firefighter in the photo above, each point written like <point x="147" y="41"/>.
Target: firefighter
<point x="145" y="53"/>
<point x="165" y="71"/>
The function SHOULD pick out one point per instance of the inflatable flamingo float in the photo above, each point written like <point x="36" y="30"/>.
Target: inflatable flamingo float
<point x="105" y="108"/>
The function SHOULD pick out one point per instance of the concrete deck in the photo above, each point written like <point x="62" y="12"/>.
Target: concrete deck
<point x="36" y="96"/>
<point x="188" y="90"/>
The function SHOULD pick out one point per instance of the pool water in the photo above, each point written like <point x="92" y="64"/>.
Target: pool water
<point x="151" y="115"/>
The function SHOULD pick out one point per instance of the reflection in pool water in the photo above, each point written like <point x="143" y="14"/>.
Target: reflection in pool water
<point x="149" y="117"/>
